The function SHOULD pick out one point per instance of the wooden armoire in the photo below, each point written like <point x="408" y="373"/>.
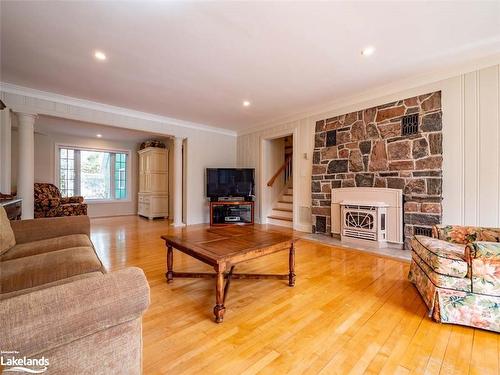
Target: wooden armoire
<point x="153" y="182"/>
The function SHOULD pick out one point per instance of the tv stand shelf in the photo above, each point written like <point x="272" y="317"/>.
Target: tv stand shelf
<point x="231" y="213"/>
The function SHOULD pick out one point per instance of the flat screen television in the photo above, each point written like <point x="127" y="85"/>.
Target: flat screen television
<point x="230" y="182"/>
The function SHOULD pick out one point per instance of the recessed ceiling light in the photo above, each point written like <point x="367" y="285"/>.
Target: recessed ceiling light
<point x="246" y="103"/>
<point x="368" y="51"/>
<point x="99" y="135"/>
<point x="100" y="55"/>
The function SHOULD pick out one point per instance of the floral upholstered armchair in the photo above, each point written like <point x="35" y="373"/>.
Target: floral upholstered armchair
<point x="49" y="203"/>
<point x="457" y="272"/>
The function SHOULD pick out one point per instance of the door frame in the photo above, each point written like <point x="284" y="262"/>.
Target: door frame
<point x="293" y="131"/>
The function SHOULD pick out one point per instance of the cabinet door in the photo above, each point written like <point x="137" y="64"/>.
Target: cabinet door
<point x="158" y="161"/>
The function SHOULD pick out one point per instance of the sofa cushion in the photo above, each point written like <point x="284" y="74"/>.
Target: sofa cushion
<point x="440" y="280"/>
<point x="29" y="272"/>
<point x="49" y="285"/>
<point x="442" y="257"/>
<point x="7" y="239"/>
<point x="47" y="245"/>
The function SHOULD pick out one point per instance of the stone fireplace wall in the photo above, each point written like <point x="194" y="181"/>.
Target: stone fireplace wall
<point x="368" y="148"/>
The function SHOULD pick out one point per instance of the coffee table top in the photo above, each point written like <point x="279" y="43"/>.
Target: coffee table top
<point x="232" y="244"/>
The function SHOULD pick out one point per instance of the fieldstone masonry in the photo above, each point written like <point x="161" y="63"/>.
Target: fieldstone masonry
<point x="366" y="148"/>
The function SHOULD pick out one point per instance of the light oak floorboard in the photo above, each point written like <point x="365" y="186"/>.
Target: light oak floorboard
<point x="350" y="312"/>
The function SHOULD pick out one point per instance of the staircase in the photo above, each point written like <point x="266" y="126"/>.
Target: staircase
<point x="282" y="212"/>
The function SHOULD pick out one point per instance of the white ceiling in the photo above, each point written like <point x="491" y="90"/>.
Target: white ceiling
<point x="52" y="125"/>
<point x="198" y="61"/>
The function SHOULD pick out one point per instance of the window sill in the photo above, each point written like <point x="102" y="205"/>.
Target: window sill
<point x="106" y="201"/>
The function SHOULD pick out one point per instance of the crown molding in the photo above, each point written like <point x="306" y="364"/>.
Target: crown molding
<point x="96" y="106"/>
<point x="379" y="92"/>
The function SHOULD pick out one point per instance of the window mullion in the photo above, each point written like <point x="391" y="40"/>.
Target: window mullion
<point x="112" y="175"/>
<point x="77" y="168"/>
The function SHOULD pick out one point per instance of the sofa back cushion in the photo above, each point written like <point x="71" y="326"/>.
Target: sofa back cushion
<point x="7" y="239"/>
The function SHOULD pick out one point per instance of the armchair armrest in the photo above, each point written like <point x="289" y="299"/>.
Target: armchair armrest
<point x="487" y="251"/>
<point x="75" y="199"/>
<point x="39" y="321"/>
<point x="484" y="261"/>
<point x="41" y="229"/>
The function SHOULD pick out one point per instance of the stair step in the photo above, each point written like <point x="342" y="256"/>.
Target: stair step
<point x="281" y="213"/>
<point x="279" y="222"/>
<point x="286" y="198"/>
<point x="282" y="209"/>
<point x="283" y="205"/>
<point x="280" y="218"/>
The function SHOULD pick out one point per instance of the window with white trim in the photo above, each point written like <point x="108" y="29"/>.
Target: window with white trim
<point x="93" y="174"/>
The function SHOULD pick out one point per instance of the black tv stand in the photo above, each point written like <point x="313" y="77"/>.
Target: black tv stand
<point x="231" y="212"/>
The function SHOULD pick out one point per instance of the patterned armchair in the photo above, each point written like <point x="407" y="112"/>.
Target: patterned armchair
<point x="457" y="272"/>
<point x="49" y="203"/>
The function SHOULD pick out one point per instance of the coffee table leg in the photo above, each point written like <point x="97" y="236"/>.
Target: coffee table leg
<point x="291" y="263"/>
<point x="219" y="308"/>
<point x="170" y="264"/>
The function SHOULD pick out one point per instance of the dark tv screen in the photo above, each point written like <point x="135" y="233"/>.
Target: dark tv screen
<point x="230" y="182"/>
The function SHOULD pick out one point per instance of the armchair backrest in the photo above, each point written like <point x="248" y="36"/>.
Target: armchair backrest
<point x="465" y="234"/>
<point x="43" y="189"/>
<point x="47" y="196"/>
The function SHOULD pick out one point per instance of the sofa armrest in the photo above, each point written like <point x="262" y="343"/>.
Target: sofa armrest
<point x="41" y="229"/>
<point x="40" y="321"/>
<point x="75" y="199"/>
<point x="484" y="260"/>
<point x="438" y="232"/>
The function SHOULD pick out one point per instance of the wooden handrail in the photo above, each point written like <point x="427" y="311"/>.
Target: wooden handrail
<point x="288" y="160"/>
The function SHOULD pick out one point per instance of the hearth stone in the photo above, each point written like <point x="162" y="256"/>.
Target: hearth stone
<point x="395" y="183"/>
<point x="337" y="166"/>
<point x="436" y="143"/>
<point x="420" y="148"/>
<point x="434" y="186"/>
<point x="431" y="122"/>
<point x="316" y="157"/>
<point x="399" y="150"/>
<point x="316" y="186"/>
<point x="336" y="184"/>
<point x="331" y="138"/>
<point x="364" y="180"/>
<point x="365" y="147"/>
<point x="421" y="219"/>
<point x="356" y="161"/>
<point x="319" y="140"/>
<point x="320" y="126"/>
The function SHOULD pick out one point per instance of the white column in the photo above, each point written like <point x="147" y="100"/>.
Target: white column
<point x="26" y="166"/>
<point x="177" y="185"/>
<point x="5" y="151"/>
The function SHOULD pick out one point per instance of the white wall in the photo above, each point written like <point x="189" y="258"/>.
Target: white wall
<point x="206" y="147"/>
<point x="471" y="142"/>
<point x="274" y="151"/>
<point x="45" y="164"/>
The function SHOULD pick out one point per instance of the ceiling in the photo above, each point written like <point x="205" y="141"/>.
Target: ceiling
<point x="198" y="61"/>
<point x="52" y="125"/>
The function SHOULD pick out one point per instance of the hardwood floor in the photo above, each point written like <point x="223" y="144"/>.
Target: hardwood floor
<point x="350" y="312"/>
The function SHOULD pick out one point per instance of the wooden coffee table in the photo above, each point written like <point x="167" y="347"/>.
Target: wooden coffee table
<point x="225" y="247"/>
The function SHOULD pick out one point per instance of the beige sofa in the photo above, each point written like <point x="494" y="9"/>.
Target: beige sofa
<point x="58" y="301"/>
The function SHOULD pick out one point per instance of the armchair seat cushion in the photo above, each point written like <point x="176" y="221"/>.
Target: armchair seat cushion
<point x="32" y="271"/>
<point x="444" y="258"/>
<point x="47" y="245"/>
